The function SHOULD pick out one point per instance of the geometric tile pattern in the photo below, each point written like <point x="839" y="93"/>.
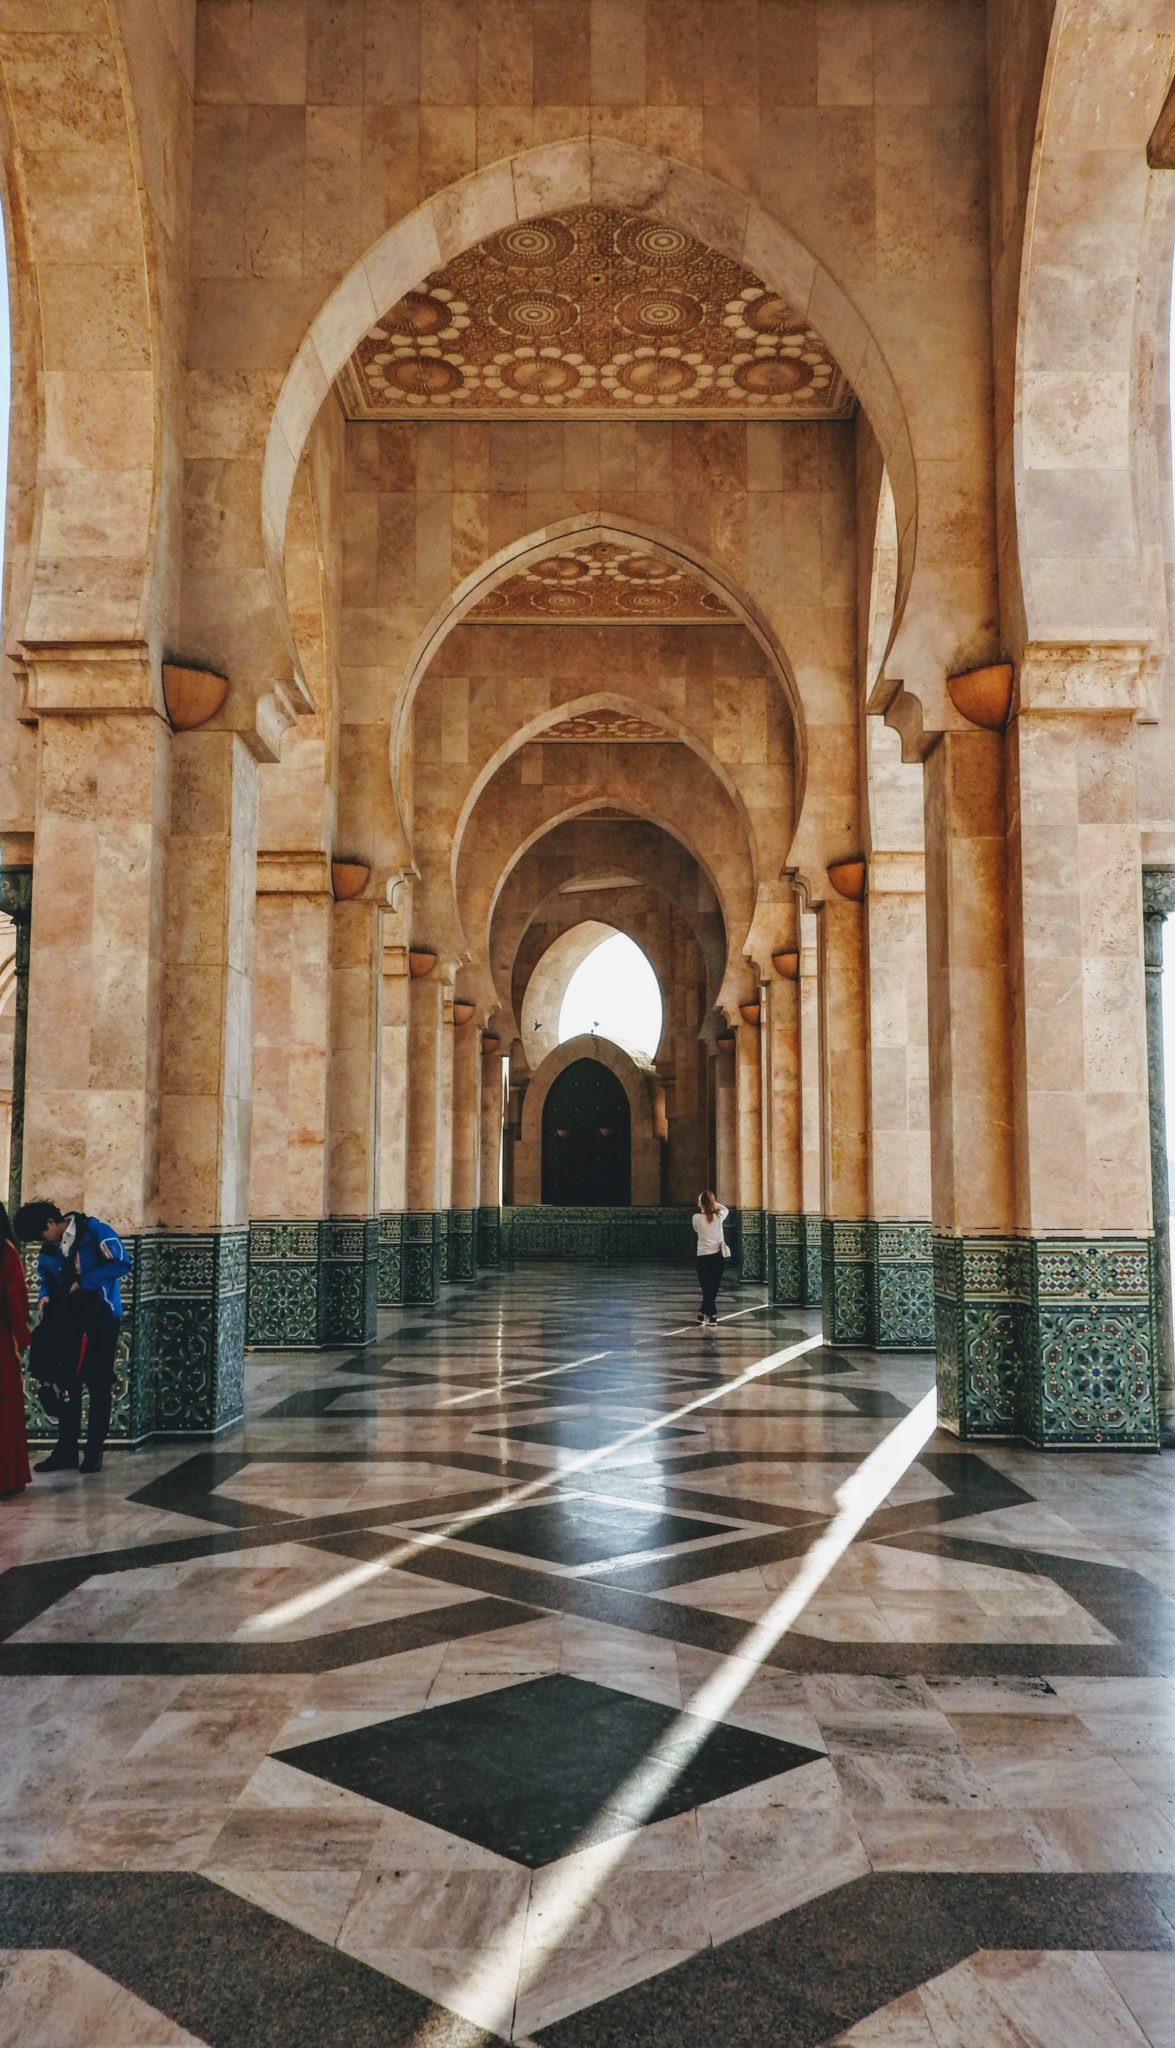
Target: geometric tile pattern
<point x="312" y="1283"/>
<point x="602" y="580"/>
<point x="845" y="1253"/>
<point x="540" y="1769"/>
<point x="509" y="1729"/>
<point x="901" y="1287"/>
<point x="785" y="1259"/>
<point x="1050" y="1339"/>
<point x="593" y="314"/>
<point x="598" y="1234"/>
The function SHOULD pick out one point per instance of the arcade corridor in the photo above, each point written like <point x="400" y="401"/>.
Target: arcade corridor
<point x="555" y="1671"/>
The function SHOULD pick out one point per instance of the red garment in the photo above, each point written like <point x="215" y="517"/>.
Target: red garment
<point x="14" y="1338"/>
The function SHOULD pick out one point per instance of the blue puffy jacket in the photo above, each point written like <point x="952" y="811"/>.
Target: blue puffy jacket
<point x="93" y="1255"/>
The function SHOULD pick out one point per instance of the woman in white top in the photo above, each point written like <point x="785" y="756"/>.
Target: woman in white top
<point x="712" y="1252"/>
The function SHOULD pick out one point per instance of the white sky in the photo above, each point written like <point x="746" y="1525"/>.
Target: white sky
<point x="614" y="992"/>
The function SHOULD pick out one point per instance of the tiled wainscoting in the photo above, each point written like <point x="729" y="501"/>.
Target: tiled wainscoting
<point x="312" y="1282"/>
<point x="1049" y="1339"/>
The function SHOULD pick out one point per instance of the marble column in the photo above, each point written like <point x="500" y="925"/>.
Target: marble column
<point x="206" y="1081"/>
<point x="288" y="1195"/>
<point x="95" y="979"/>
<point x="749" y="1137"/>
<point x="1158" y="901"/>
<point x="393" y="1114"/>
<point x="489" y="1213"/>
<point x="844" y="1121"/>
<point x="725" y="1128"/>
<point x="350" y="1254"/>
<point x="465" y="1189"/>
<point x="16" y="898"/>
<point x="812" y="1155"/>
<point x="977" y="1262"/>
<point x="901" y="1273"/>
<point x="1082" y="1117"/>
<point x="445" y="1138"/>
<point x="783" y="1128"/>
<point x="421" y="1252"/>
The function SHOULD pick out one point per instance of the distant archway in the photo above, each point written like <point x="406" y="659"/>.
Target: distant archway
<point x="635" y="1080"/>
<point x="587" y="1139"/>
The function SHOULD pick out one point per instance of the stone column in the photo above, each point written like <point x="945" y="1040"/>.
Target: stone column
<point x="783" y="1124"/>
<point x="95" y="978"/>
<point x="812" y="1157"/>
<point x="844" y="1121"/>
<point x="976" y="1258"/>
<point x="350" y="1251"/>
<point x="288" y="1198"/>
<point x="901" y="1273"/>
<point x="1082" y="1120"/>
<point x="206" y="1080"/>
<point x="445" y="1136"/>
<point x="749" y="1134"/>
<point x="489" y="1214"/>
<point x="725" y="1128"/>
<point x="465" y="1190"/>
<point x="1158" y="901"/>
<point x="421" y="1253"/>
<point x="16" y="898"/>
<point x="393" y="1116"/>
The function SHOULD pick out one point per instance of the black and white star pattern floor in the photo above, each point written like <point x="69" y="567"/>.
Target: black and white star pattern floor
<point x="557" y="1672"/>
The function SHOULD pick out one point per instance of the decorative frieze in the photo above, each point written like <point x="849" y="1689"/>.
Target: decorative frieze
<point x="600" y="1235"/>
<point x="812" y="1240"/>
<point x="350" y="1280"/>
<point x="285" y="1272"/>
<point x="752" y="1255"/>
<point x="390" y="1258"/>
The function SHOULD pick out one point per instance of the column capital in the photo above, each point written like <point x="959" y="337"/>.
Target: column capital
<point x="16" y="893"/>
<point x="70" y="677"/>
<point x="293" y="874"/>
<point x="1158" y="891"/>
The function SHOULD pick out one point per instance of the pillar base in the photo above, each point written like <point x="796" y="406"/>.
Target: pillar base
<point x="845" y="1288"/>
<point x="462" y="1259"/>
<point x="811" y="1242"/>
<point x="489" y="1237"/>
<point x="421" y="1255"/>
<point x="785" y="1260"/>
<point x="442" y="1228"/>
<point x="1051" y="1340"/>
<point x="390" y="1258"/>
<point x="752" y="1251"/>
<point x="312" y="1283"/>
<point x="350" y="1280"/>
<point x="901" y="1287"/>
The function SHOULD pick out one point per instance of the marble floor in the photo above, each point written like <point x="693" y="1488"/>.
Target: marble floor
<point x="557" y="1672"/>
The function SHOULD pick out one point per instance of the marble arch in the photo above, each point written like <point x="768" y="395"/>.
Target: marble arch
<point x="652" y="857"/>
<point x="575" y="172"/>
<point x="552" y="541"/>
<point x="607" y="700"/>
<point x="722" y="859"/>
<point x="547" y="978"/>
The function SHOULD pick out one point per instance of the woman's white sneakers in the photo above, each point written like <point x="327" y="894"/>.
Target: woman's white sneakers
<point x="711" y="1322"/>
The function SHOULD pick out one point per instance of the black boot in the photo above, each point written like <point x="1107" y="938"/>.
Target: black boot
<point x="60" y="1459"/>
<point x="92" y="1462"/>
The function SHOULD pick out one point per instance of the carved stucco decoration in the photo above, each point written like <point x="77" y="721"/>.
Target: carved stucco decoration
<point x="594" y="313"/>
<point x="602" y="580"/>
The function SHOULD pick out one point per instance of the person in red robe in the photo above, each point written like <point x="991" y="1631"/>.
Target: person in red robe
<point x="14" y="1340"/>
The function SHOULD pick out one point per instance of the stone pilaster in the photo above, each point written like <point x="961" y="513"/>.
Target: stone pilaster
<point x="393" y="1110"/>
<point x="424" y="1232"/>
<point x="844" y="1243"/>
<point x="784" y="1136"/>
<point x="1158" y="901"/>
<point x="489" y="1213"/>
<point x="466" y="1145"/>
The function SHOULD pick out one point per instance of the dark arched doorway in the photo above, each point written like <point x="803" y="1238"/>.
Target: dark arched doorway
<point x="587" y="1139"/>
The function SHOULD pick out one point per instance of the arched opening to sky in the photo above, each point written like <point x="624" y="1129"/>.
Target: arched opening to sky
<point x="614" y="992"/>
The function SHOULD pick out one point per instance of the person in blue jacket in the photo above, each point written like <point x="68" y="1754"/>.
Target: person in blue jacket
<point x="83" y="1259"/>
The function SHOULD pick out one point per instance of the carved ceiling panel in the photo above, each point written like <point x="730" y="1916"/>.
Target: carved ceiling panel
<point x="601" y="580"/>
<point x="604" y="727"/>
<point x="592" y="314"/>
